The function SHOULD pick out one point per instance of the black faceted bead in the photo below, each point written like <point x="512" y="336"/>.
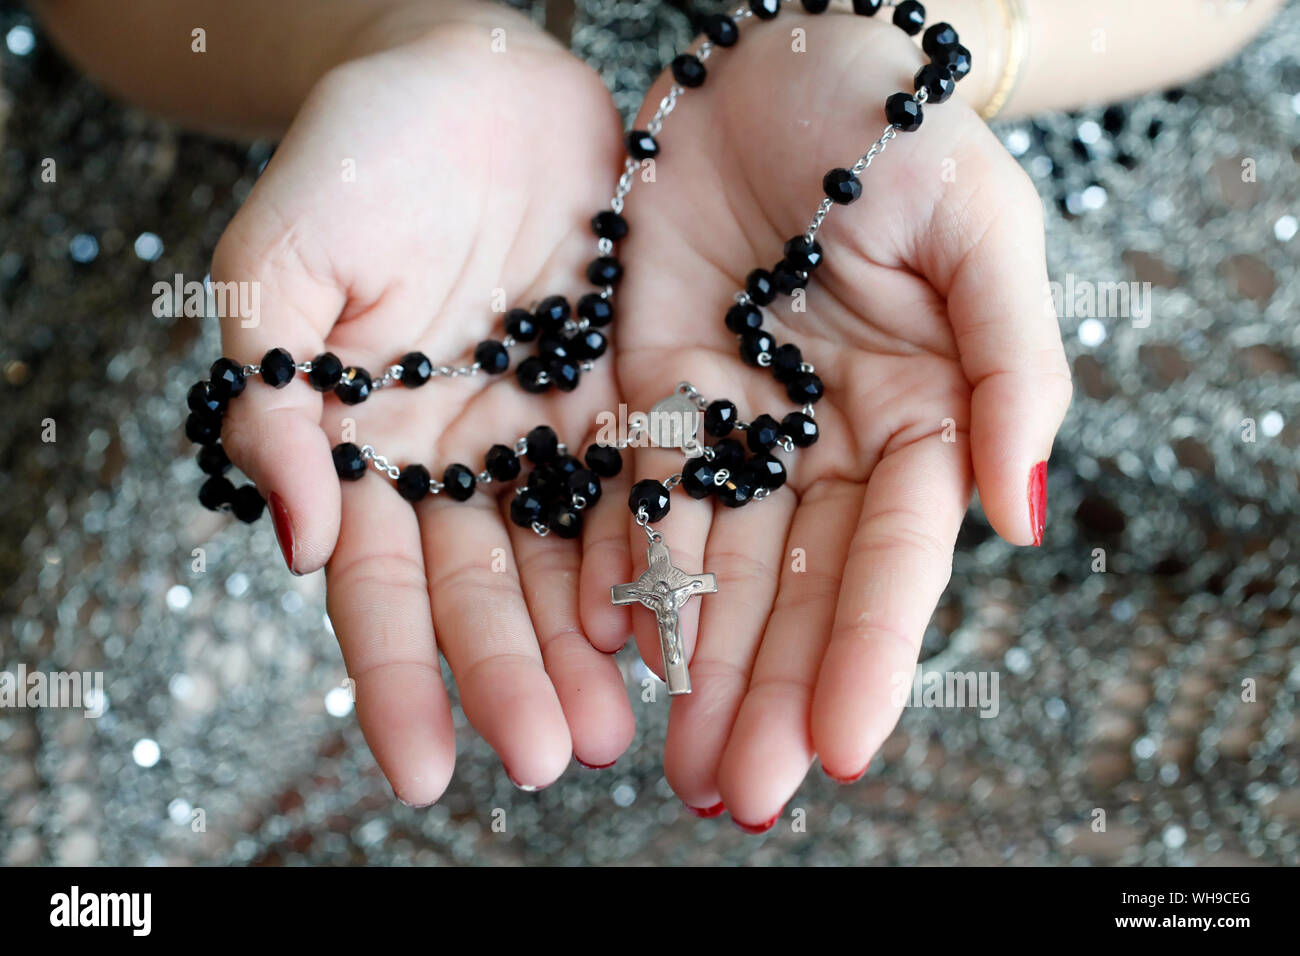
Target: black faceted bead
<point x="543" y="445"/>
<point x="957" y="60"/>
<point x="551" y="313"/>
<point x="348" y="462"/>
<point x="247" y="504"/>
<point x="548" y="482"/>
<point x="589" y="345"/>
<point x="565" y="465"/>
<point x="753" y="343"/>
<point x="215" y="492"/>
<point x="502" y="463"/>
<point x="553" y="346"/>
<point x="202" y="429"/>
<point x="564" y="373"/>
<point x="608" y="224"/>
<point x="565" y="521"/>
<point x="763" y="434"/>
<point x="277" y="368"/>
<point x="720" y="418"/>
<point x="641" y="145"/>
<point x="729" y="454"/>
<point x="758" y="286"/>
<point x="721" y="30"/>
<point x="416" y="369"/>
<point x="205" y="402"/>
<point x="604" y="460"/>
<point x="801" y="429"/>
<point x="841" y="186"/>
<point x="585" y="484"/>
<point x="354" y="385"/>
<point x="816" y="6"/>
<point x="742" y="316"/>
<point x="521" y="325"/>
<point x="867" y="8"/>
<point x="413" y="482"/>
<point x="903" y="112"/>
<point x="805" y="389"/>
<point x="697" y="477"/>
<point x="938" y="37"/>
<point x="596" y="309"/>
<point x="492" y="357"/>
<point x="458" y="482"/>
<point x="909" y="16"/>
<point x="786" y="362"/>
<point x="212" y="459"/>
<point x="650" y="495"/>
<point x="765" y="9"/>
<point x="532" y="375"/>
<point x="764" y="471"/>
<point x="604" y="270"/>
<point x="802" y="254"/>
<point x="526" y="508"/>
<point x="226" y="377"/>
<point x="786" y="278"/>
<point x="326" y="370"/>
<point x="938" y="80"/>
<point x="688" y="70"/>
<point x="737" y="490"/>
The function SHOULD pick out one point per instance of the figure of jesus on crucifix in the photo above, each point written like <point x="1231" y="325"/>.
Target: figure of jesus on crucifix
<point x="664" y="589"/>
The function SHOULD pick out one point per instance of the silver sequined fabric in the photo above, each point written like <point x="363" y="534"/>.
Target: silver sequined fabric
<point x="1160" y="691"/>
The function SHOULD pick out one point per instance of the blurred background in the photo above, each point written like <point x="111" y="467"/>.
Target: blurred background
<point x="1121" y="690"/>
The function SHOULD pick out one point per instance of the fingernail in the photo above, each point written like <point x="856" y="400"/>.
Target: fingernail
<point x="854" y="779"/>
<point x="706" y="812"/>
<point x="595" y="766"/>
<point x="408" y="803"/>
<point x="525" y="787"/>
<point x="758" y="828"/>
<point x="1038" y="501"/>
<point x="283" y="528"/>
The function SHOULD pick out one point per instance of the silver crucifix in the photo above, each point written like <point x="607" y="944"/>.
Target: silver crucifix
<point x="664" y="589"/>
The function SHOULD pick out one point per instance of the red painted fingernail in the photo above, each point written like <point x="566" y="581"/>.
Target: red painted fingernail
<point x="759" y="828"/>
<point x="854" y="779"/>
<point x="596" y="766"/>
<point x="1038" y="501"/>
<point x="283" y="528"/>
<point x="706" y="812"/>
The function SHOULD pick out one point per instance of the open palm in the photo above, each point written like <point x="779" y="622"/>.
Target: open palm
<point x="415" y="190"/>
<point x="942" y="364"/>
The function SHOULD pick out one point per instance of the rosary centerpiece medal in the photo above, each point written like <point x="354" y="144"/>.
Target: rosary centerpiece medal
<point x="664" y="589"/>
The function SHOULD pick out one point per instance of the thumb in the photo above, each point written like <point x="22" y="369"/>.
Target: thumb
<point x="1009" y="342"/>
<point x="274" y="434"/>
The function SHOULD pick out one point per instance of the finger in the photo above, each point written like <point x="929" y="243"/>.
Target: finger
<point x="484" y="631"/>
<point x="588" y="683"/>
<point x="744" y="552"/>
<point x="274" y="434"/>
<point x="605" y="563"/>
<point x="378" y="602"/>
<point x="899" y="562"/>
<point x="770" y="747"/>
<point x="989" y="262"/>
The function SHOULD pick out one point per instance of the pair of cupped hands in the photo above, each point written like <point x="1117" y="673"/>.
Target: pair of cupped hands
<point x="475" y="170"/>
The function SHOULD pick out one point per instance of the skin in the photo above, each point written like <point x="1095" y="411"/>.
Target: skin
<point x="929" y="309"/>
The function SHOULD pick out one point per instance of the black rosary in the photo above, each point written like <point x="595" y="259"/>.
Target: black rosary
<point x="568" y="342"/>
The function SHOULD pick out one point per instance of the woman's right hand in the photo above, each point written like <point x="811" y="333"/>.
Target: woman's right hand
<point x="418" y="188"/>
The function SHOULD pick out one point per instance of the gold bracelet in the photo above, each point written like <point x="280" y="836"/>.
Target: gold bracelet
<point x="1016" y="21"/>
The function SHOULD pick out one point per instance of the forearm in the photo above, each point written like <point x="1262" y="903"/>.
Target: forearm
<point x="254" y="62"/>
<point x="1096" y="51"/>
